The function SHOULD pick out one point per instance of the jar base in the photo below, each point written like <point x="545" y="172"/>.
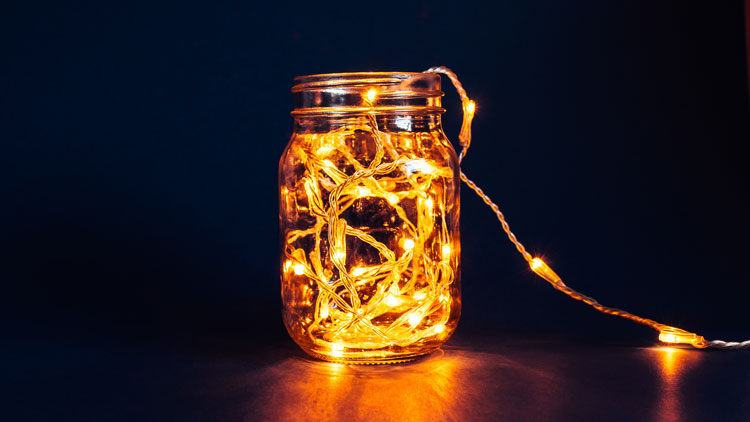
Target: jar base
<point x="372" y="357"/>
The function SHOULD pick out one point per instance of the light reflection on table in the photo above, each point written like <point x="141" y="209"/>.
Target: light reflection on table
<point x="513" y="382"/>
<point x="451" y="384"/>
<point x="673" y="364"/>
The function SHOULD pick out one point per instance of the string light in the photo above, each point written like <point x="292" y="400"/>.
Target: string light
<point x="371" y="298"/>
<point x="362" y="308"/>
<point x="408" y="244"/>
<point x="337" y="350"/>
<point x="446" y="251"/>
<point x="667" y="334"/>
<point x="299" y="269"/>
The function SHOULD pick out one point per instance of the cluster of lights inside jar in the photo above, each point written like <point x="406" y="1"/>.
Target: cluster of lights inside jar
<point x="417" y="306"/>
<point x="667" y="334"/>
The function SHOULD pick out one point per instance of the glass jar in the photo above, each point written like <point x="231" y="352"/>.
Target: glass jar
<point x="369" y="210"/>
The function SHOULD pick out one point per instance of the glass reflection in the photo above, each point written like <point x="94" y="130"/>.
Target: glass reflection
<point x="450" y="384"/>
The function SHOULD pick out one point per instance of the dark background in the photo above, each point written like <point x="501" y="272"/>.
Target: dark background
<point x="140" y="146"/>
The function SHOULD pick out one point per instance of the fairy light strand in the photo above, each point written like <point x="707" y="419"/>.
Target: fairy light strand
<point x="667" y="334"/>
<point x="410" y="301"/>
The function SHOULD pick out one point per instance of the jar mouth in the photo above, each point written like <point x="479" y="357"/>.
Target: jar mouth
<point x="347" y="93"/>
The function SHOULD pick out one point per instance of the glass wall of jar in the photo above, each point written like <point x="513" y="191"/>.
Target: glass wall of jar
<point x="369" y="216"/>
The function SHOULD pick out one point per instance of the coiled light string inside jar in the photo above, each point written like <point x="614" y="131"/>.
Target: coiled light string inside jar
<point x="405" y="297"/>
<point x="667" y="334"/>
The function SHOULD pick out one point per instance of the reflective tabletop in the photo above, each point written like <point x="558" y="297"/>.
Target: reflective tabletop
<point x="468" y="379"/>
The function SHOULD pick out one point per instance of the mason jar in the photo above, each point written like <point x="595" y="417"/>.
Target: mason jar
<point x="369" y="218"/>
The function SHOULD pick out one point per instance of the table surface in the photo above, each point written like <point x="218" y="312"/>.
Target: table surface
<point x="468" y="379"/>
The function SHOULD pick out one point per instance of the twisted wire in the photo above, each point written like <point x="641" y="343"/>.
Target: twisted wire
<point x="537" y="265"/>
<point x="721" y="344"/>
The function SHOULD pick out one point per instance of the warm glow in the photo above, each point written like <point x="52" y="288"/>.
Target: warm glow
<point x="408" y="244"/>
<point x="299" y="269"/>
<point x="419" y="166"/>
<point x="447" y="386"/>
<point x="367" y="216"/>
<point x="336" y="350"/>
<point x="362" y="191"/>
<point x="368" y="321"/>
<point x="393" y="301"/>
<point x="324" y="150"/>
<point x="544" y="271"/>
<point x="287" y="265"/>
<point x="340" y="255"/>
<point x="446" y="251"/>
<point x="674" y="335"/>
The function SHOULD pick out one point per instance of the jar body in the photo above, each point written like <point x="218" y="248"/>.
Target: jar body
<point x="369" y="224"/>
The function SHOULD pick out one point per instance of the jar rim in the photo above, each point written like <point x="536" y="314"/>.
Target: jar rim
<point x="417" y="92"/>
<point x="339" y="79"/>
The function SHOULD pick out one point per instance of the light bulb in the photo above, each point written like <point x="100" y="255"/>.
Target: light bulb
<point x="371" y="94"/>
<point x="419" y="166"/>
<point x="324" y="150"/>
<point x="299" y="269"/>
<point x="408" y="244"/>
<point x="337" y="350"/>
<point x="393" y="301"/>
<point x="544" y="271"/>
<point x="362" y="191"/>
<point x="675" y="335"/>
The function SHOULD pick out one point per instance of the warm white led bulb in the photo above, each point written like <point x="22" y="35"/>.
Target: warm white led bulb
<point x="337" y="350"/>
<point x="414" y="319"/>
<point x="392" y="301"/>
<point x="408" y="244"/>
<point x="362" y="191"/>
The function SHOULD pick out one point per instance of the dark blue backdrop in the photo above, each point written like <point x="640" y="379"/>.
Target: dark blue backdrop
<point x="140" y="146"/>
